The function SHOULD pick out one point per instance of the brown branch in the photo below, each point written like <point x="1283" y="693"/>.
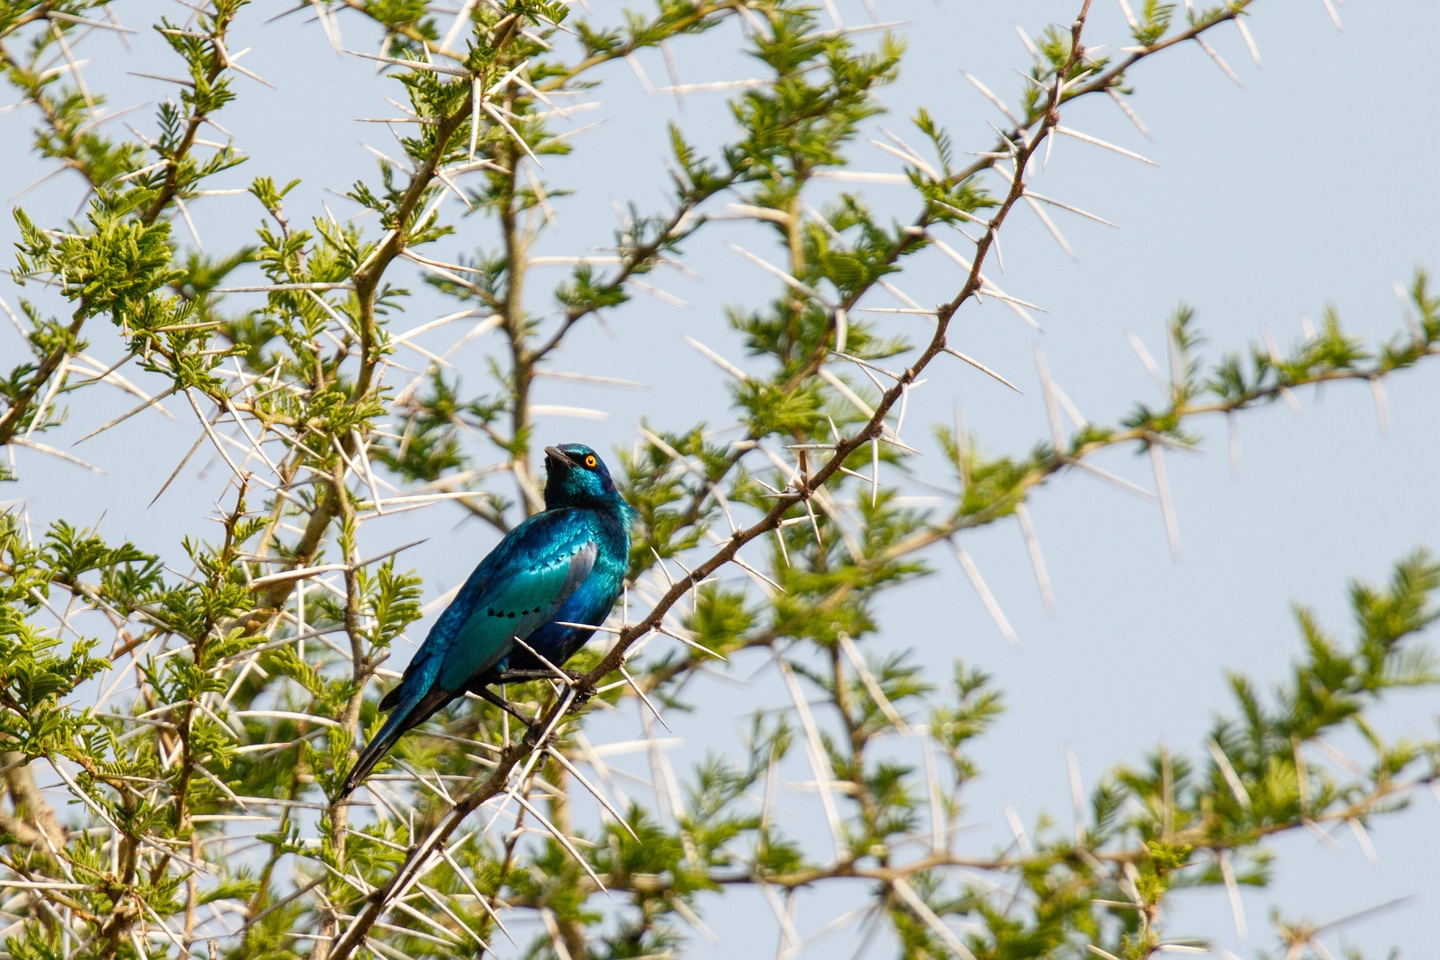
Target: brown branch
<point x="912" y="238"/>
<point x="40" y="11"/>
<point x="10" y="422"/>
<point x="368" y="278"/>
<point x="34" y="823"/>
<point x="1200" y="838"/>
<point x="170" y="186"/>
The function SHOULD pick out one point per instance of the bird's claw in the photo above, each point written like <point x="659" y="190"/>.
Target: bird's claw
<point x="520" y="676"/>
<point x="583" y="693"/>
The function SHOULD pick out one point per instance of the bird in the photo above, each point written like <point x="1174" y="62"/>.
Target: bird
<point x="562" y="567"/>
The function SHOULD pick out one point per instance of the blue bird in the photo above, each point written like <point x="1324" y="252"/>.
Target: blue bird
<point x="564" y="565"/>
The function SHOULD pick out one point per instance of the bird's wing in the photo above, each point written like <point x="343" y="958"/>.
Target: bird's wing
<point x="517" y="588"/>
<point x="518" y="598"/>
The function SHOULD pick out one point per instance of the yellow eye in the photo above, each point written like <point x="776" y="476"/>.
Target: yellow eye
<point x="590" y="460"/>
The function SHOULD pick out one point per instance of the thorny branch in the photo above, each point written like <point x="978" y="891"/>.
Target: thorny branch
<point x="917" y="234"/>
<point x="368" y="278"/>
<point x="499" y="778"/>
<point x="163" y="201"/>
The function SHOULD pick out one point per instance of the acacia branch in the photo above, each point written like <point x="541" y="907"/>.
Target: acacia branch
<point x="164" y="198"/>
<point x="916" y="235"/>
<point x="514" y="753"/>
<point x="10" y="422"/>
<point x="170" y="187"/>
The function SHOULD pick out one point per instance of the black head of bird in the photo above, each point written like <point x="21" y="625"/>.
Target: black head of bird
<point x="575" y="476"/>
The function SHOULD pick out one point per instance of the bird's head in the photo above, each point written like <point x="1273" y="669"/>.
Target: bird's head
<point x="576" y="476"/>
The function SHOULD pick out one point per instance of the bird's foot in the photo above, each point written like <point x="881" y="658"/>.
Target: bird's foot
<point x="583" y="693"/>
<point x="576" y="681"/>
<point x="487" y="694"/>
<point x="520" y="676"/>
<point x="533" y="736"/>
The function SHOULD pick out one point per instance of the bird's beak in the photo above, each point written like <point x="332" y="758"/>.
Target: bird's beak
<point x="556" y="453"/>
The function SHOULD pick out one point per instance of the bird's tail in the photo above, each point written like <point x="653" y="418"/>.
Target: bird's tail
<point x="404" y="718"/>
